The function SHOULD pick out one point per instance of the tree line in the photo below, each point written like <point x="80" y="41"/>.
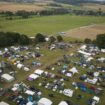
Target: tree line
<point x="11" y="38"/>
<point x="54" y="11"/>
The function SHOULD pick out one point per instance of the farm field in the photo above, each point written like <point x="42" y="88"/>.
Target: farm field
<point x="13" y="7"/>
<point x="93" y="6"/>
<point x="49" y="25"/>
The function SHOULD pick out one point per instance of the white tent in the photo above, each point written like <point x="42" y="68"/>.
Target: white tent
<point x="19" y="66"/>
<point x="7" y="77"/>
<point x="44" y="101"/>
<point x="68" y="92"/>
<point x="84" y="53"/>
<point x="91" y="81"/>
<point x="73" y="70"/>
<point x="83" y="47"/>
<point x="63" y="103"/>
<point x="33" y="76"/>
<point x="29" y="103"/>
<point x="26" y="69"/>
<point x="38" y="71"/>
<point x="3" y="103"/>
<point x="68" y="75"/>
<point x="29" y="92"/>
<point x="97" y="99"/>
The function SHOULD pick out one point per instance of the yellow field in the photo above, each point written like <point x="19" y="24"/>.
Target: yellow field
<point x="94" y="6"/>
<point x="16" y="7"/>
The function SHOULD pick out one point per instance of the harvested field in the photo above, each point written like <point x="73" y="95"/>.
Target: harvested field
<point x="86" y="31"/>
<point x="94" y="6"/>
<point x="13" y="7"/>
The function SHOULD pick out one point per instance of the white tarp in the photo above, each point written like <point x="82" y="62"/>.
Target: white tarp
<point x="38" y="71"/>
<point x="44" y="101"/>
<point x="7" y="77"/>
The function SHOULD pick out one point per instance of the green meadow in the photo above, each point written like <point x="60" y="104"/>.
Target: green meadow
<point x="47" y="24"/>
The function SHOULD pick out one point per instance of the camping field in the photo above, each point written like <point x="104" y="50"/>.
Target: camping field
<point x="48" y="24"/>
<point x="53" y="57"/>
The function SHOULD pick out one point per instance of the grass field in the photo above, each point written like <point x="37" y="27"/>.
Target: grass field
<point x="48" y="24"/>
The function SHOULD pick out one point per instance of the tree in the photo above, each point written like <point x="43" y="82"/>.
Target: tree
<point x="52" y="39"/>
<point x="39" y="38"/>
<point x="100" y="40"/>
<point x="87" y="41"/>
<point x="24" y="40"/>
<point x="59" y="38"/>
<point x="3" y="40"/>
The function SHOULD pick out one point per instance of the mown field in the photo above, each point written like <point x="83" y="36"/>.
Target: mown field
<point x="48" y="24"/>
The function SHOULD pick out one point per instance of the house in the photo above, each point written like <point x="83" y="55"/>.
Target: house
<point x="44" y="101"/>
<point x="63" y="103"/>
<point x="7" y="77"/>
<point x="3" y="103"/>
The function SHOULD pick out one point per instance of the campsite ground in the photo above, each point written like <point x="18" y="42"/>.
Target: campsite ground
<point x="53" y="57"/>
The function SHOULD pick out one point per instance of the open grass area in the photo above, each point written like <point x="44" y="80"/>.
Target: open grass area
<point x="48" y="24"/>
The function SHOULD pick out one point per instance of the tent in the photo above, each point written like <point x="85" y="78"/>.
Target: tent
<point x="44" y="101"/>
<point x="33" y="76"/>
<point x="73" y="70"/>
<point x="84" y="53"/>
<point x="63" y="103"/>
<point x="83" y="47"/>
<point x="19" y="66"/>
<point x="95" y="98"/>
<point x="91" y="81"/>
<point x="29" y="92"/>
<point x="38" y="71"/>
<point x="29" y="103"/>
<point x="7" y="77"/>
<point x="3" y="103"/>
<point x="68" y="92"/>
